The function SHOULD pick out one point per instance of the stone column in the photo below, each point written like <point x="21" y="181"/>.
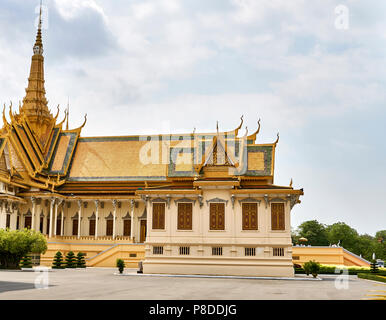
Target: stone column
<point x="114" y="216"/>
<point x="33" y="200"/>
<point x="132" y="205"/>
<point x="3" y="214"/>
<point x="52" y="202"/>
<point x="79" y="217"/>
<point x="96" y="218"/>
<point x="14" y="207"/>
<point x="56" y="218"/>
<point x="62" y="215"/>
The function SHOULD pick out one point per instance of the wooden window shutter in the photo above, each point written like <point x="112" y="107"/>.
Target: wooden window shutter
<point x="185" y="216"/>
<point x="249" y="216"/>
<point x="277" y="212"/>
<point x="92" y="228"/>
<point x="217" y="216"/>
<point x="158" y="216"/>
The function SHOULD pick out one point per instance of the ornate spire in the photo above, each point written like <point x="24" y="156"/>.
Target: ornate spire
<point x="35" y="103"/>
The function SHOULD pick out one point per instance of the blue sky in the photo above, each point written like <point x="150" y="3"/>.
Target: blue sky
<point x="168" y="66"/>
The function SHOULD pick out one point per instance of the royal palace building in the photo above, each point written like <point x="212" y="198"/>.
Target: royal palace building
<point x="194" y="203"/>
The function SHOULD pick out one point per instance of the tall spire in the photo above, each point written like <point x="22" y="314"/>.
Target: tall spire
<point x="35" y="104"/>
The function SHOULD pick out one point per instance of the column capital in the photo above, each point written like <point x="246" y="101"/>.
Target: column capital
<point x="114" y="202"/>
<point x="79" y="204"/>
<point x="96" y="204"/>
<point x="53" y="200"/>
<point x="33" y="200"/>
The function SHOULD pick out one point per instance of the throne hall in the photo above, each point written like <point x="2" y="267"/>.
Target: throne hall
<point x="190" y="203"/>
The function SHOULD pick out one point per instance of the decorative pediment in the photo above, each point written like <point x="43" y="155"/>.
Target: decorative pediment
<point x="127" y="216"/>
<point x="185" y="200"/>
<point x="216" y="200"/>
<point x="28" y="213"/>
<point x="92" y="217"/>
<point x="249" y="200"/>
<point x="75" y="216"/>
<point x="217" y="155"/>
<point x="110" y="217"/>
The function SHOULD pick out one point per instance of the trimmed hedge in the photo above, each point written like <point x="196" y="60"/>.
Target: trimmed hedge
<point x="351" y="271"/>
<point x="371" y="276"/>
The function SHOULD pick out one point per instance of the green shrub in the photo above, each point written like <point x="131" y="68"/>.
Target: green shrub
<point x="370" y="276"/>
<point x="26" y="262"/>
<point x="58" y="261"/>
<point x="374" y="266"/>
<point x="120" y="265"/>
<point x="80" y="261"/>
<point x="70" y="260"/>
<point x="312" y="267"/>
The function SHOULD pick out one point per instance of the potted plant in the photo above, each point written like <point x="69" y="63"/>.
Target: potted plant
<point x="58" y="261"/>
<point x="120" y="265"/>
<point x="70" y="260"/>
<point x="80" y="261"/>
<point x="312" y="267"/>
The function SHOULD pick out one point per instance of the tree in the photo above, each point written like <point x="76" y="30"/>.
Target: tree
<point x="15" y="244"/>
<point x="343" y="234"/>
<point x="58" y="261"/>
<point x="365" y="246"/>
<point x="70" y="260"/>
<point x="315" y="233"/>
<point x="80" y="261"/>
<point x="380" y="244"/>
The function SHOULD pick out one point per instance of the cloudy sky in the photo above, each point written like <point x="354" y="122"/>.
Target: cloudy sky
<point x="312" y="70"/>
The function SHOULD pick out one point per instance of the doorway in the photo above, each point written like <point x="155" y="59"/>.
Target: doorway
<point x="143" y="231"/>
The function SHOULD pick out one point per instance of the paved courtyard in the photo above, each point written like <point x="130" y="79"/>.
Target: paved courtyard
<point x="101" y="283"/>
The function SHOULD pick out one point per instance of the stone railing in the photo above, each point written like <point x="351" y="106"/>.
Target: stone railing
<point x="92" y="238"/>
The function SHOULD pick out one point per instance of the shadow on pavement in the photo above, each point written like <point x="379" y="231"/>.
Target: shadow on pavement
<point x="13" y="286"/>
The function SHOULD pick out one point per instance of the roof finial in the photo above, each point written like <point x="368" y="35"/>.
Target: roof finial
<point x="68" y="111"/>
<point x="38" y="47"/>
<point x="217" y="126"/>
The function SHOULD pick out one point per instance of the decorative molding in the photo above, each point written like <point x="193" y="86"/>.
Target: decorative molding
<point x="278" y="200"/>
<point x="76" y="216"/>
<point x="127" y="216"/>
<point x="114" y="202"/>
<point x="216" y="200"/>
<point x="85" y="204"/>
<point x="33" y="200"/>
<point x="293" y="199"/>
<point x="28" y="213"/>
<point x="110" y="216"/>
<point x="200" y="200"/>
<point x="144" y="214"/>
<point x="185" y="200"/>
<point x="249" y="199"/>
<point x="102" y="204"/>
<point x="132" y="204"/>
<point x="266" y="201"/>
<point x="96" y="204"/>
<point x="168" y="198"/>
<point x="42" y="214"/>
<point x="233" y="198"/>
<point x="158" y="200"/>
<point x="79" y="204"/>
<point x="145" y="198"/>
<point x="53" y="200"/>
<point x="92" y="217"/>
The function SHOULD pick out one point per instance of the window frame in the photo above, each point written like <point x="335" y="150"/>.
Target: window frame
<point x="217" y="226"/>
<point x="185" y="226"/>
<point x="158" y="226"/>
<point x="278" y="217"/>
<point x="242" y="217"/>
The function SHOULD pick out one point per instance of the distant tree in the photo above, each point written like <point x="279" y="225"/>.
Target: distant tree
<point x="343" y="234"/>
<point x="70" y="260"/>
<point x="365" y="246"/>
<point x="58" y="261"/>
<point x="380" y="245"/>
<point x="80" y="261"/>
<point x="294" y="237"/>
<point x="315" y="233"/>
